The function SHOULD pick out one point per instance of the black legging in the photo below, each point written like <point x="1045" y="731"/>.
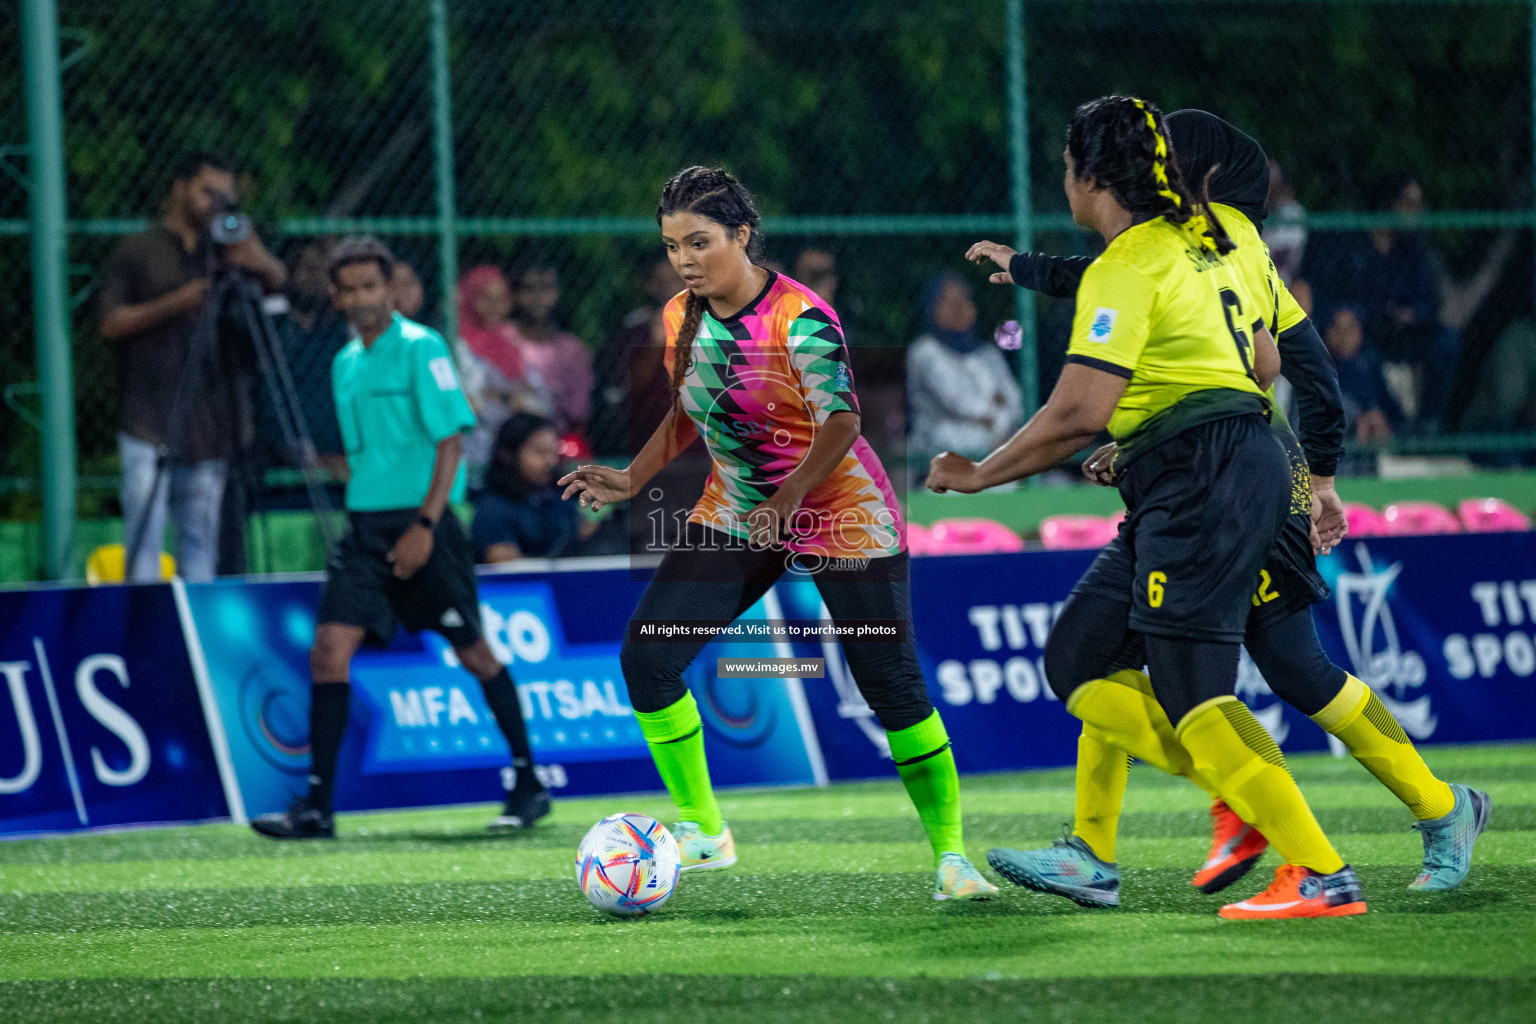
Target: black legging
<point x="715" y="578"/>
<point x="1091" y="640"/>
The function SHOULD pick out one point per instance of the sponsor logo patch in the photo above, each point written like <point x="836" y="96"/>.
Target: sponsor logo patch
<point x="1103" y="324"/>
<point x="841" y="377"/>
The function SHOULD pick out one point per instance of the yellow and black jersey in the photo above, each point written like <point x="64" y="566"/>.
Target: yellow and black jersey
<point x="1176" y="320"/>
<point x="1281" y="313"/>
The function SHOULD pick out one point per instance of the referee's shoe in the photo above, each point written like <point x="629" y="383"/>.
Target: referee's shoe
<point x="527" y="800"/>
<point x="302" y="820"/>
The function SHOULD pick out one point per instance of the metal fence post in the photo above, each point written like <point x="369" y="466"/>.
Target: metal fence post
<point x="1023" y="227"/>
<point x="50" y="286"/>
<point x="442" y="145"/>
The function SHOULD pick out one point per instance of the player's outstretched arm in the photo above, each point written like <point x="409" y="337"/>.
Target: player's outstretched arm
<point x="1056" y="276"/>
<point x="595" y="485"/>
<point x="1079" y="407"/>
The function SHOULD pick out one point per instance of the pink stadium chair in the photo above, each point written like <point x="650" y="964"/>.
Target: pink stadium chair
<point x="1364" y="521"/>
<point x="1060" y="533"/>
<point x="973" y="537"/>
<point x="1415" y="518"/>
<point x="1492" y="515"/>
<point x="919" y="540"/>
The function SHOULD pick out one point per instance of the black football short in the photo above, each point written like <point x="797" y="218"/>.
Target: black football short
<point x="361" y="588"/>
<point x="1205" y="510"/>
<point x="1289" y="580"/>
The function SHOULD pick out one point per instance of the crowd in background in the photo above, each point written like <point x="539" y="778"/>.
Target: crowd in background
<point x="1395" y="320"/>
<point x="1391" y="316"/>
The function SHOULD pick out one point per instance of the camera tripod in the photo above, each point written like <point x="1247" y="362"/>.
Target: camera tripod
<point x="237" y="296"/>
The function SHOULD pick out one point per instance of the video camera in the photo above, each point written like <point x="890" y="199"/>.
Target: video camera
<point x="229" y="226"/>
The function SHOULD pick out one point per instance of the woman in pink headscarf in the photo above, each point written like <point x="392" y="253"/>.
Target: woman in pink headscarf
<point x="496" y="378"/>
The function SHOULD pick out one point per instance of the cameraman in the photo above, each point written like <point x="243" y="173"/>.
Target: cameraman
<point x="152" y="295"/>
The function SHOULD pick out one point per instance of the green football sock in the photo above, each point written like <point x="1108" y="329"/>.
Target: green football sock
<point x="676" y="738"/>
<point x="927" y="768"/>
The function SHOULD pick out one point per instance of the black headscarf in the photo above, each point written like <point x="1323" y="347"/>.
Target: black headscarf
<point x="503" y="476"/>
<point x="1201" y="141"/>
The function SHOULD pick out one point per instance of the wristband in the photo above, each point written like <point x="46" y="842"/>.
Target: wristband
<point x="427" y="521"/>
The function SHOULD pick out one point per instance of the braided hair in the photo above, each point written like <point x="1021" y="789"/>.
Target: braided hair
<point x="1122" y="143"/>
<point x="709" y="192"/>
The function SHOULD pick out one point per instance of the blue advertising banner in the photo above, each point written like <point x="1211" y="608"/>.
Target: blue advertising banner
<point x="982" y="622"/>
<point x="421" y="732"/>
<point x="1443" y="628"/>
<point x="116" y="710"/>
<point x="101" y="719"/>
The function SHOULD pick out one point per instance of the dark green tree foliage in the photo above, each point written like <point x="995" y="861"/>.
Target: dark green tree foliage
<point x="578" y="109"/>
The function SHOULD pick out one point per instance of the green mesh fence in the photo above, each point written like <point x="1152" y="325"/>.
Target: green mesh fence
<point x="877" y="131"/>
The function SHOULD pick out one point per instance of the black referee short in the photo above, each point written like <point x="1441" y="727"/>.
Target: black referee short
<point x="361" y="588"/>
<point x="1206" y="508"/>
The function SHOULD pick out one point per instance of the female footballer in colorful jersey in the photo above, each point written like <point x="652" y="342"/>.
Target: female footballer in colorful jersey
<point x="1162" y="355"/>
<point x="1280" y="635"/>
<point x="760" y="372"/>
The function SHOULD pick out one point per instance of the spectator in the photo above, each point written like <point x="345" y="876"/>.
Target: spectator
<point x="153" y="293"/>
<point x="632" y="393"/>
<point x="962" y="393"/>
<point x="558" y="357"/>
<point x="496" y="380"/>
<point x="1395" y="279"/>
<point x="311" y="333"/>
<point x="405" y="290"/>
<point x="1369" y="410"/>
<point x="817" y="270"/>
<point x="1285" y="231"/>
<point x="521" y="513"/>
<point x="1505" y="399"/>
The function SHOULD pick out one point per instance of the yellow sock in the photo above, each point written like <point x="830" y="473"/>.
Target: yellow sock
<point x="1364" y="725"/>
<point x="1232" y="750"/>
<point x="1127" y="716"/>
<point x="1102" y="772"/>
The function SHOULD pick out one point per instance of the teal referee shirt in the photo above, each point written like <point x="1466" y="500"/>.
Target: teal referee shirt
<point x="395" y="400"/>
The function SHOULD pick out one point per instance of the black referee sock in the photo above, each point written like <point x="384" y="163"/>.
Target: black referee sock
<point x="501" y="695"/>
<point x="328" y="705"/>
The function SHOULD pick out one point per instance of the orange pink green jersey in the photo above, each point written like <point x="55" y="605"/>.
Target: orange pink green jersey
<point x="761" y="384"/>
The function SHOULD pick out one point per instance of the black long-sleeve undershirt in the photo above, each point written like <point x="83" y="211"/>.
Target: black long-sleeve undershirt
<point x="1056" y="276"/>
<point x="1304" y="359"/>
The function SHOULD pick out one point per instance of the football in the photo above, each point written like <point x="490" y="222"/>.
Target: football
<point x="628" y="865"/>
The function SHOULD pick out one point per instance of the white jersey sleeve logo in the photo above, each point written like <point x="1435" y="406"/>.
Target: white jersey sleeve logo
<point x="442" y="372"/>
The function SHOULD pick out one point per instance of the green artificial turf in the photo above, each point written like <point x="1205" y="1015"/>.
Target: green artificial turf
<point x="422" y="915"/>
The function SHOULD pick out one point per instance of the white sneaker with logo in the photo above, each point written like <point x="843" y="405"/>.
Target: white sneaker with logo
<point x="700" y="850"/>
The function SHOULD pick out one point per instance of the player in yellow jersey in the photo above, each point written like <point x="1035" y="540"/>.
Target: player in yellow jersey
<point x="1170" y="352"/>
<point x="1280" y="635"/>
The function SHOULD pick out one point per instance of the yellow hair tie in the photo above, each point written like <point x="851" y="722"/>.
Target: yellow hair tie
<point x="1197" y="224"/>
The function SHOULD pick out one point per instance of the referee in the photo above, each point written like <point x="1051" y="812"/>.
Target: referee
<point x="405" y="558"/>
